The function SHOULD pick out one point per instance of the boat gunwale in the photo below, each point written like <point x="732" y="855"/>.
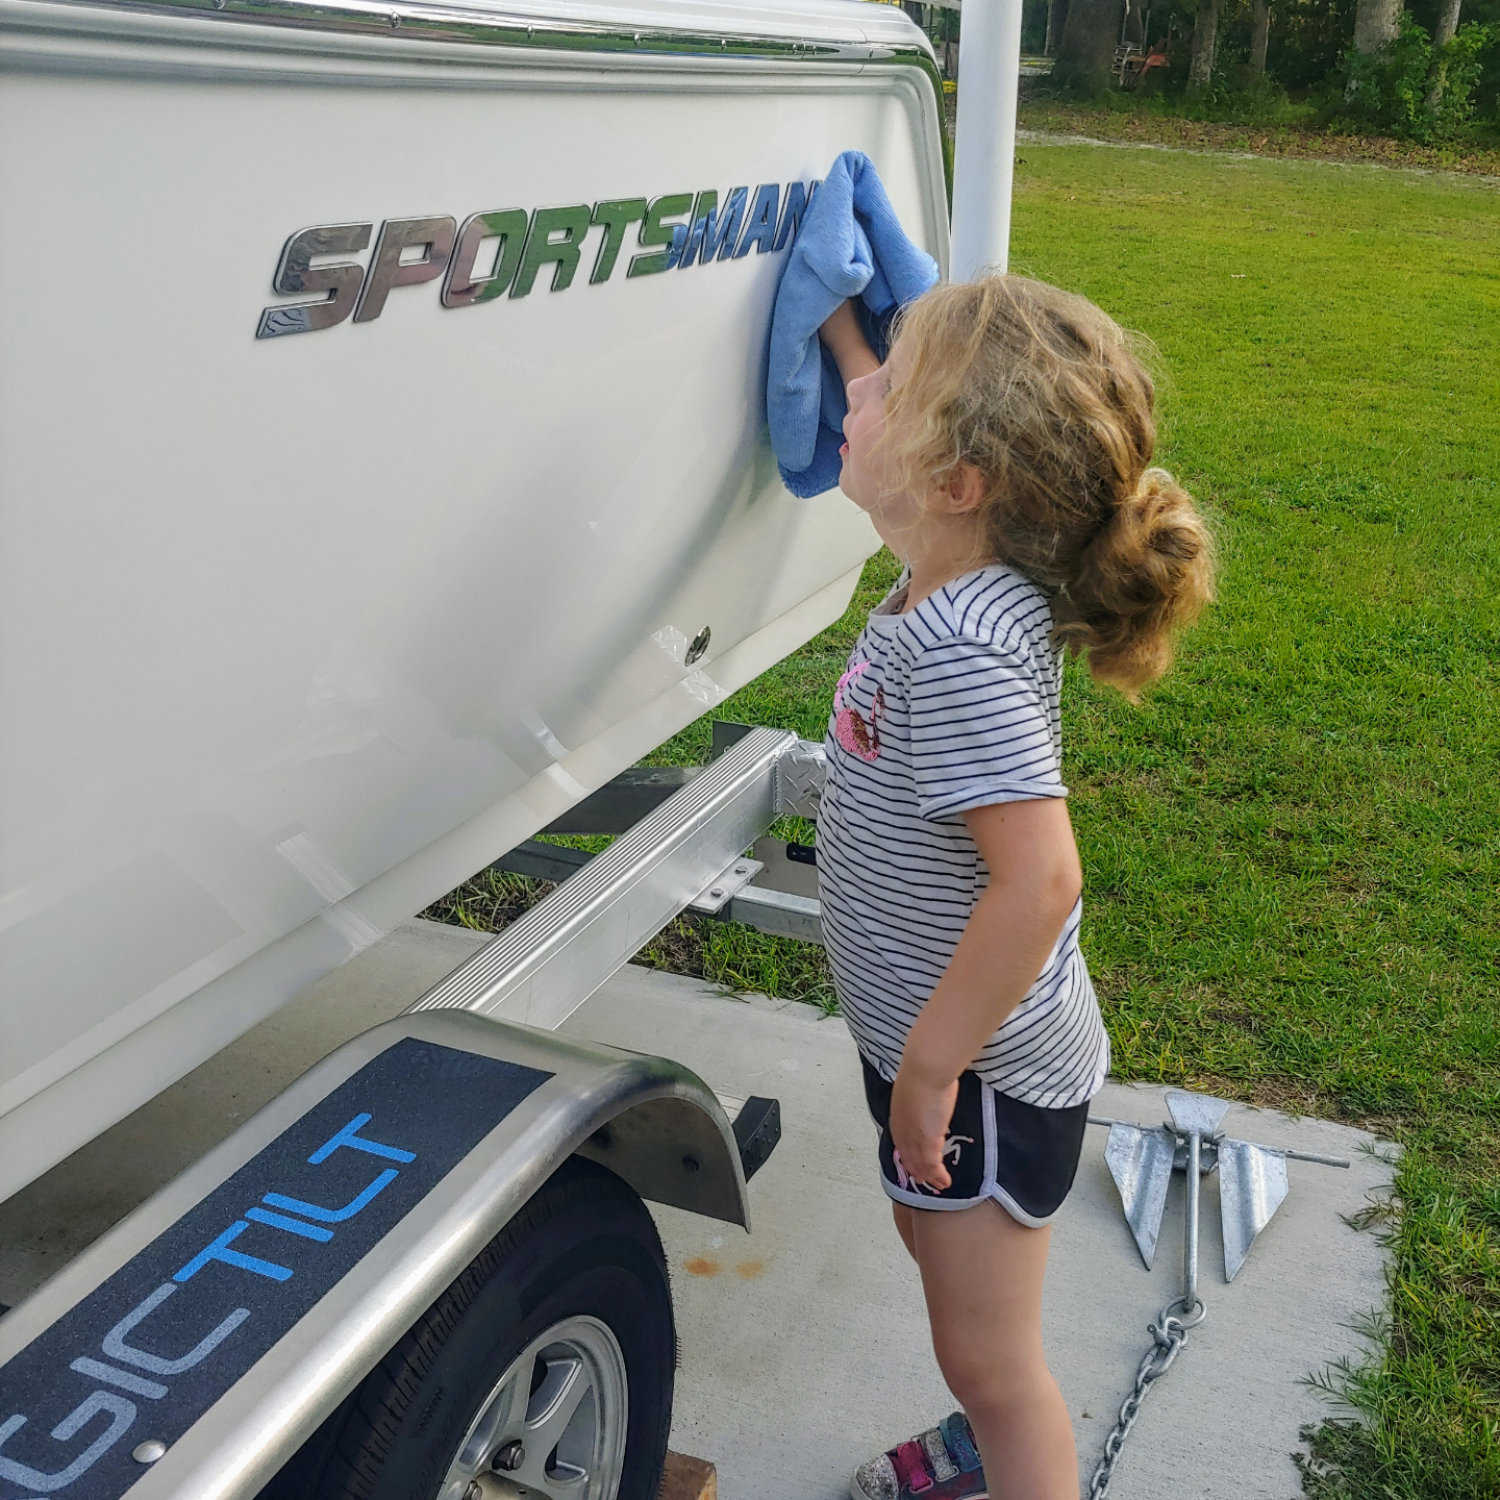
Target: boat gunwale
<point x="499" y="31"/>
<point x="496" y="25"/>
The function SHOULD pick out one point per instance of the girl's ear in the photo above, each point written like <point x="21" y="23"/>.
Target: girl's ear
<point x="960" y="490"/>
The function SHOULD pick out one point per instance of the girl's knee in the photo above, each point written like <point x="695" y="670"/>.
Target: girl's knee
<point x="991" y="1380"/>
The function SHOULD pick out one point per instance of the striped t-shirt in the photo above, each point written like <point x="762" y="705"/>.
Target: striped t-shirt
<point x="950" y="706"/>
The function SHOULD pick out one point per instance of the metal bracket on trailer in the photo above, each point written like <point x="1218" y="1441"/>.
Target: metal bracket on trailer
<point x="786" y="774"/>
<point x="763" y="906"/>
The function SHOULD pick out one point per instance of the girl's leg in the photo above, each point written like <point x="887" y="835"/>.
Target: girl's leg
<point x="902" y="1215"/>
<point x="982" y="1275"/>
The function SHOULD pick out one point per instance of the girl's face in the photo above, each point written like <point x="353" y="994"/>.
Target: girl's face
<point x="936" y="532"/>
<point x="866" y="475"/>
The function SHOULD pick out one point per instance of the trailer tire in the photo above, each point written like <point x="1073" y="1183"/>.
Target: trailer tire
<point x="576" y="1282"/>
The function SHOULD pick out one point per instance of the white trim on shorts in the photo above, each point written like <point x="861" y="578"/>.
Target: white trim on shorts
<point x="992" y="1191"/>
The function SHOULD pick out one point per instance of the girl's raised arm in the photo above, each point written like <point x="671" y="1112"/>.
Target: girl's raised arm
<point x="847" y="343"/>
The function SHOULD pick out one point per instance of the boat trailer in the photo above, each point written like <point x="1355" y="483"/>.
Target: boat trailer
<point x="201" y="1342"/>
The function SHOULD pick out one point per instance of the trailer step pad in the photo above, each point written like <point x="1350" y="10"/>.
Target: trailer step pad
<point x="142" y="1356"/>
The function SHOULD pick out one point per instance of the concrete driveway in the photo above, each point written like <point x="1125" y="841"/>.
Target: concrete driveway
<point x="804" y="1343"/>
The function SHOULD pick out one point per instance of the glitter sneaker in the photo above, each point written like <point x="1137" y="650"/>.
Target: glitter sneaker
<point x="941" y="1464"/>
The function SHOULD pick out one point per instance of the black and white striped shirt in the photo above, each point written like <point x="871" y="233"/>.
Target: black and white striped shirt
<point x="950" y="706"/>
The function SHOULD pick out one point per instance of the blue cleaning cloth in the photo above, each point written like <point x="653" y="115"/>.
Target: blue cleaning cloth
<point x="850" y="244"/>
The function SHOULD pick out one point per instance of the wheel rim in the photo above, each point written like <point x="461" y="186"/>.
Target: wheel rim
<point x="552" y="1426"/>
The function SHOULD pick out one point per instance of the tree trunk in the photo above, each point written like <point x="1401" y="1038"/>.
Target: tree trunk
<point x="1057" y="18"/>
<point x="1205" y="45"/>
<point x="1260" y="35"/>
<point x="1086" y="50"/>
<point x="1447" y="23"/>
<point x="1443" y="33"/>
<point x="1376" y="24"/>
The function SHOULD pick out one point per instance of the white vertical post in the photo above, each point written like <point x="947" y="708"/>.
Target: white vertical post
<point x="989" y="71"/>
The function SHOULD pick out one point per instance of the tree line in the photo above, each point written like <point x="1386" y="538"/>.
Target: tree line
<point x="1427" y="70"/>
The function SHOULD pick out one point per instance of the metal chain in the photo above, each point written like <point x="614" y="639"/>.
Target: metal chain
<point x="1168" y="1335"/>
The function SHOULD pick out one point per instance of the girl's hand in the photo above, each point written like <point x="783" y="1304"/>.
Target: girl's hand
<point x="920" y="1112"/>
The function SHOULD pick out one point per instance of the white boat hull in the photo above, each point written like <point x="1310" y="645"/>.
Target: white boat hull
<point x="296" y="633"/>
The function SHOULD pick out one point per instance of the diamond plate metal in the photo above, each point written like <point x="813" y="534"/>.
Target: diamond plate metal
<point x="800" y="774"/>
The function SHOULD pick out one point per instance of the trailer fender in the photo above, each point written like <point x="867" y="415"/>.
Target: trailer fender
<point x="218" y="1324"/>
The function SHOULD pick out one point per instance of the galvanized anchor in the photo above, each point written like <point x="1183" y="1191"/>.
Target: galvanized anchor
<point x="1252" y="1186"/>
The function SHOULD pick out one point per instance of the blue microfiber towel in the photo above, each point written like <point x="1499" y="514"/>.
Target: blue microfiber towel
<point x="851" y="244"/>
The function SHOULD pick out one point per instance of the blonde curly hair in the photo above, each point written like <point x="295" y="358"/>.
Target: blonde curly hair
<point x="1042" y="393"/>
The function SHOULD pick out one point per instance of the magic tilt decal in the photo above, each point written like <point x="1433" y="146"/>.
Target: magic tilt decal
<point x="151" y="1348"/>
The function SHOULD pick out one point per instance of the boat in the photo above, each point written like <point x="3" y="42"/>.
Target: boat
<point x="383" y="465"/>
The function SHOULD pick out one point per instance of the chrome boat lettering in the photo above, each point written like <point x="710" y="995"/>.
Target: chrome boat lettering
<point x="434" y="237"/>
<point x="508" y="230"/>
<point x="798" y="196"/>
<point x="294" y="274"/>
<point x="505" y="250"/>
<point x="764" y="212"/>
<point x="572" y="223"/>
<point x="616" y="215"/>
<point x="656" y="230"/>
<point x="715" y="230"/>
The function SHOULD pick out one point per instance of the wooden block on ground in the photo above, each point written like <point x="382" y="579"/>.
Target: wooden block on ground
<point x="686" y="1478"/>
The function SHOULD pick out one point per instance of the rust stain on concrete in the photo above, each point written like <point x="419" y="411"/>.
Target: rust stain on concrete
<point x="701" y="1265"/>
<point x="750" y="1269"/>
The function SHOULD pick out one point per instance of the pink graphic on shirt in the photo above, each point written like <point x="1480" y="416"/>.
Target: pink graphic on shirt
<point x="849" y="728"/>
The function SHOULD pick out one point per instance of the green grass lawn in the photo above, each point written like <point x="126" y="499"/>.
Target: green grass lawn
<point x="1291" y="848"/>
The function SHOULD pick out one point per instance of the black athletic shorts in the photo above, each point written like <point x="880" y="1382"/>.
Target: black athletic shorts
<point x="1020" y="1155"/>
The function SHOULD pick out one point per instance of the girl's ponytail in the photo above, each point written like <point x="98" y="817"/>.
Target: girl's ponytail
<point x="1044" y="395"/>
<point x="1146" y="572"/>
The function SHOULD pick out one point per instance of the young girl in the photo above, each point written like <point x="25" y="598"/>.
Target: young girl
<point x="1003" y="451"/>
